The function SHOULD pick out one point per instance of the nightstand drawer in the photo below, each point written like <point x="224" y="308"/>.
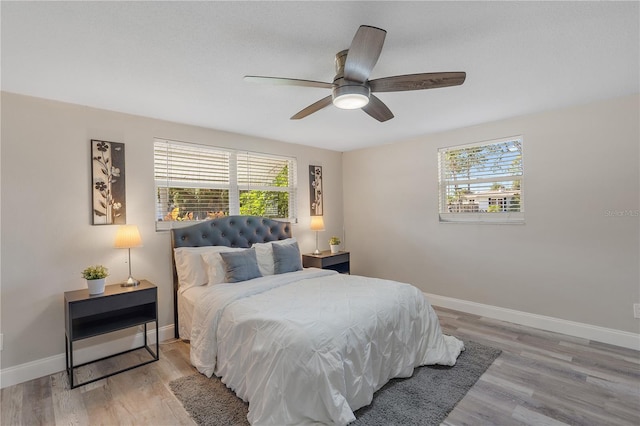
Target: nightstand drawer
<point x="336" y="259"/>
<point x="98" y="305"/>
<point x="339" y="262"/>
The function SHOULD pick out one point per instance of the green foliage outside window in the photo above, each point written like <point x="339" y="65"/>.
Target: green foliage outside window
<point x="264" y="203"/>
<point x="267" y="203"/>
<point x="203" y="203"/>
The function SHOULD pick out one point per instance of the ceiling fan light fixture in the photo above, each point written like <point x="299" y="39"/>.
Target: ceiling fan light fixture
<point x="351" y="97"/>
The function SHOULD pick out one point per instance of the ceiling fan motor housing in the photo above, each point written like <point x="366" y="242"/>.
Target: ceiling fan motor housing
<point x="348" y="94"/>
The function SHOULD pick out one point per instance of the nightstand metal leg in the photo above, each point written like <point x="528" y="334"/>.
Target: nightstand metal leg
<point x="68" y="352"/>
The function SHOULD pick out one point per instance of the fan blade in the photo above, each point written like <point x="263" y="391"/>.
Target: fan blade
<point x="377" y="109"/>
<point x="287" y="81"/>
<point x="317" y="106"/>
<point x="364" y="53"/>
<point x="431" y="80"/>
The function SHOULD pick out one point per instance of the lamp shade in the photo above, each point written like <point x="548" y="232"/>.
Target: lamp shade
<point x="127" y="236"/>
<point x="317" y="224"/>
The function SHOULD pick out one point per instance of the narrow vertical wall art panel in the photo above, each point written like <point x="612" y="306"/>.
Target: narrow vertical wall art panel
<point x="315" y="190"/>
<point x="107" y="183"/>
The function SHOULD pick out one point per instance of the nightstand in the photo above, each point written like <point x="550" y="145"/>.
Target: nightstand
<point x="117" y="308"/>
<point x="326" y="260"/>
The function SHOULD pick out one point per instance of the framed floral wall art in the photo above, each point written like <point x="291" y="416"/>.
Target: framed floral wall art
<point x="315" y="190"/>
<point x="107" y="182"/>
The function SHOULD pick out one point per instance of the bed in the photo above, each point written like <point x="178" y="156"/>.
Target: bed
<point x="301" y="346"/>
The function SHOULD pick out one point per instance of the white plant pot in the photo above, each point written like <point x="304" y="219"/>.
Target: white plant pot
<point x="96" y="286"/>
<point x="335" y="248"/>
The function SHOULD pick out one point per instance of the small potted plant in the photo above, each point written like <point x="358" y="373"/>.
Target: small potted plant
<point x="334" y="242"/>
<point x="96" y="277"/>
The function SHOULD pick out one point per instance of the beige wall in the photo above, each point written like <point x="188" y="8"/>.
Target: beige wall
<point x="571" y="260"/>
<point x="47" y="238"/>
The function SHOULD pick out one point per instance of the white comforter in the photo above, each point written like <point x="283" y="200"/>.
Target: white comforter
<point x="313" y="346"/>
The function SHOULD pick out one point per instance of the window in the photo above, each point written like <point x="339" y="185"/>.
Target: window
<point x="482" y="182"/>
<point x="199" y="182"/>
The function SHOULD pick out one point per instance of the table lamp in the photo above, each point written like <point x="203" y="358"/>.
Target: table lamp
<point x="317" y="224"/>
<point x="128" y="236"/>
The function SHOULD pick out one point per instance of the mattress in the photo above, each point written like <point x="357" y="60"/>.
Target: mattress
<point x="186" y="302"/>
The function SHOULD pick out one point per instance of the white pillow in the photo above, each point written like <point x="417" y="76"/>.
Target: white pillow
<point x="215" y="267"/>
<point x="264" y="254"/>
<point x="190" y="267"/>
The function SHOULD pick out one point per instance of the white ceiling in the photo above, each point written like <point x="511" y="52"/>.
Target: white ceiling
<point x="184" y="61"/>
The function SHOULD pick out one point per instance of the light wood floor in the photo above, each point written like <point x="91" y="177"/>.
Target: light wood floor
<point x="541" y="378"/>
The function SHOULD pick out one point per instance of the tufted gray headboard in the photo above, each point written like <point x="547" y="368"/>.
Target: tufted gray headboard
<point x="230" y="231"/>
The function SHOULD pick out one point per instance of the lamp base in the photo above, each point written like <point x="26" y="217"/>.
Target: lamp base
<point x="316" y="252"/>
<point x="131" y="282"/>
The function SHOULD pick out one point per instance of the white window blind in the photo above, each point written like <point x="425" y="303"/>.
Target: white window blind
<point x="264" y="185"/>
<point x="482" y="182"/>
<point x="199" y="182"/>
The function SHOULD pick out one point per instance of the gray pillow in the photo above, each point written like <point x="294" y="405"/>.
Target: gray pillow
<point x="240" y="265"/>
<point x="286" y="258"/>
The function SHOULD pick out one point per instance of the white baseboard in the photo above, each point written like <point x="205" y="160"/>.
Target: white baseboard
<point x="624" y="339"/>
<point x="53" y="364"/>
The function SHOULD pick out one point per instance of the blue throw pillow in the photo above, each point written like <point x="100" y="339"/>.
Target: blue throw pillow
<point x="240" y="265"/>
<point x="286" y="258"/>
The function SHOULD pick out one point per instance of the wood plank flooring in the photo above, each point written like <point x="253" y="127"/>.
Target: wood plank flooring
<point x="541" y="378"/>
<point x="544" y="378"/>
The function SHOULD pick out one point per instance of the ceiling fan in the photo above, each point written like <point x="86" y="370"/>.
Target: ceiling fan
<point x="351" y="87"/>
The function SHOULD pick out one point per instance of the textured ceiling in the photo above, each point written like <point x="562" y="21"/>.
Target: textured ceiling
<point x="184" y="61"/>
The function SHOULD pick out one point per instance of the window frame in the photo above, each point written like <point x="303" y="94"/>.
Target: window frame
<point x="232" y="185"/>
<point x="503" y="217"/>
